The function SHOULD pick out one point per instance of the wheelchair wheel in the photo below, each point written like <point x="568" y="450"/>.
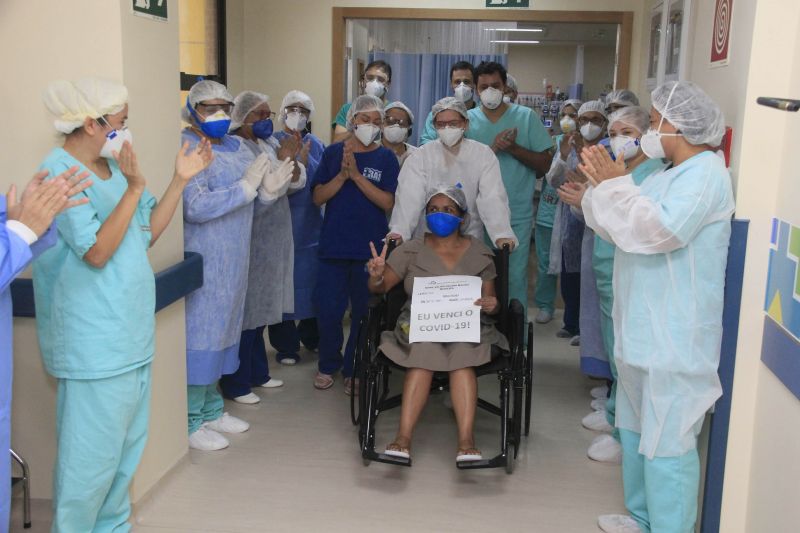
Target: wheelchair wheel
<point x="529" y="380"/>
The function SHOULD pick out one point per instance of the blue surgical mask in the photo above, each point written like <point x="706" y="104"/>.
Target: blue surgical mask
<point x="443" y="224"/>
<point x="262" y="128"/>
<point x="213" y="127"/>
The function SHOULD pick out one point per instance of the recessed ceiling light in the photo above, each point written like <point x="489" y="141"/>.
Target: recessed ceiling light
<point x="514" y="29"/>
<point x="515" y="42"/>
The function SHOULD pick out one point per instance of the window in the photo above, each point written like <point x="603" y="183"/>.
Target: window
<point x="202" y="41"/>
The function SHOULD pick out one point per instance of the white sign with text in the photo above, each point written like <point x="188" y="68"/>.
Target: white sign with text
<point x="443" y="309"/>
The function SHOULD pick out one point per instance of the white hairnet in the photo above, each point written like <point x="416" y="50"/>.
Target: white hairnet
<point x="511" y="82"/>
<point x="72" y="102"/>
<point x="454" y="192"/>
<point x="622" y="97"/>
<point x="687" y="107"/>
<point x="593" y="105"/>
<point x="243" y="104"/>
<point x="400" y="105"/>
<point x="574" y="102"/>
<point x="300" y="98"/>
<point x="633" y="116"/>
<point x="364" y="104"/>
<point x="202" y="91"/>
<point x="449" y="103"/>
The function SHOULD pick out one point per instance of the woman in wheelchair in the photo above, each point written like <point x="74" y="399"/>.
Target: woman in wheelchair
<point x="444" y="250"/>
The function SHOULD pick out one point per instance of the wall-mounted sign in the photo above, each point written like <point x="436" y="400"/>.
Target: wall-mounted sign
<point x="507" y="3"/>
<point x="721" y="37"/>
<point x="152" y="9"/>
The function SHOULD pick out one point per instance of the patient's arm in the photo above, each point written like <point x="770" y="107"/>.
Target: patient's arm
<point x="488" y="300"/>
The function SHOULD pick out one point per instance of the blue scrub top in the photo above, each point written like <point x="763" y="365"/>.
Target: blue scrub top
<point x="519" y="179"/>
<point x="351" y="220"/>
<point x="95" y="323"/>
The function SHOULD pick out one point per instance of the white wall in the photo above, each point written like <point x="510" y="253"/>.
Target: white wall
<point x="45" y="41"/>
<point x="530" y="64"/>
<point x="270" y="28"/>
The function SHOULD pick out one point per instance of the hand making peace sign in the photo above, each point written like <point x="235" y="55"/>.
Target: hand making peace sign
<point x="377" y="265"/>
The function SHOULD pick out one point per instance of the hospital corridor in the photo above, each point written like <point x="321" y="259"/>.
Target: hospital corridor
<point x="399" y="266"/>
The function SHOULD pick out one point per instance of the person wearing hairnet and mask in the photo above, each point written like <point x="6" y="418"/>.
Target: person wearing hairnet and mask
<point x="568" y="229"/>
<point x="546" y="283"/>
<point x="95" y="302"/>
<point x="523" y="148"/>
<point x="462" y="81"/>
<point x="356" y="182"/>
<point x="375" y="82"/>
<point x="270" y="290"/>
<point x="616" y="100"/>
<point x="626" y="127"/>
<point x="296" y="112"/>
<point x="26" y="230"/>
<point x="672" y="234"/>
<point x="396" y="130"/>
<point x="217" y="222"/>
<point x="511" y="92"/>
<point x="453" y="160"/>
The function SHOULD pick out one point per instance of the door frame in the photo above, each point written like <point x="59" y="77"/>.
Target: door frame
<point x="340" y="15"/>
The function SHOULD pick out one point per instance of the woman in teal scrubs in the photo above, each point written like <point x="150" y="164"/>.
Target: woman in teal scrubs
<point x="95" y="304"/>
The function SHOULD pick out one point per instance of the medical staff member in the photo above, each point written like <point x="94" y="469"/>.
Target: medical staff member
<point x="296" y="111"/>
<point x="376" y="81"/>
<point x="95" y="303"/>
<point x="217" y="219"/>
<point x="453" y="160"/>
<point x="545" y="291"/>
<point x="626" y="127"/>
<point x="616" y="100"/>
<point x="523" y="147"/>
<point x="356" y="181"/>
<point x="672" y="234"/>
<point x="462" y="81"/>
<point x="270" y="280"/>
<point x="26" y="230"/>
<point x="396" y="130"/>
<point x="568" y="229"/>
<point x="511" y="92"/>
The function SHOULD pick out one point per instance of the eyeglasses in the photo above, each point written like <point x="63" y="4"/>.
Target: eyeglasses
<point x="597" y="121"/>
<point x="391" y="121"/>
<point x="213" y="108"/>
<point x="451" y="124"/>
<point x="297" y="109"/>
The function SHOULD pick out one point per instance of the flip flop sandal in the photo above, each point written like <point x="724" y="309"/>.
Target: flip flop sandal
<point x="323" y="381"/>
<point x="395" y="450"/>
<point x="469" y="454"/>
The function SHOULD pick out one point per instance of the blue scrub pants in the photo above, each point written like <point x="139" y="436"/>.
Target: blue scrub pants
<point x="253" y="365"/>
<point x="339" y="282"/>
<point x="101" y="427"/>
<point x="518" y="265"/>
<point x="660" y="493"/>
<point x="286" y="337"/>
<point x="571" y="294"/>
<point x="205" y="404"/>
<point x="545" y="292"/>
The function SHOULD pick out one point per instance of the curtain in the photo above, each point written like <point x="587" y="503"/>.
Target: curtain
<point x="420" y="80"/>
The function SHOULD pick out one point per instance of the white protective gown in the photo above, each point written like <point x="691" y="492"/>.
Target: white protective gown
<point x="475" y="167"/>
<point x="672" y="234"/>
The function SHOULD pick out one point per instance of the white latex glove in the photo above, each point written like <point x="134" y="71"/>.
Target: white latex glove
<point x="276" y="180"/>
<point x="257" y="170"/>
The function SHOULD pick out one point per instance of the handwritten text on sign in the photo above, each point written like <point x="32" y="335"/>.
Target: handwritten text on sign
<point x="443" y="309"/>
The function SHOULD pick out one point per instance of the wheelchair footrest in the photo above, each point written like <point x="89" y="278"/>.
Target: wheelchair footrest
<point x="495" y="462"/>
<point x="383" y="458"/>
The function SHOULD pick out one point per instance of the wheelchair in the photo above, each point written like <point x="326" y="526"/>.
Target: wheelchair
<point x="513" y="369"/>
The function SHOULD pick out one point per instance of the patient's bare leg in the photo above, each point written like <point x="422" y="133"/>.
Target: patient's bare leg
<point x="464" y="395"/>
<point x="416" y="389"/>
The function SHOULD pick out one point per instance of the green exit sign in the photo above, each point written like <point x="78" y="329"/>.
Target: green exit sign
<point x="152" y="9"/>
<point x="508" y="3"/>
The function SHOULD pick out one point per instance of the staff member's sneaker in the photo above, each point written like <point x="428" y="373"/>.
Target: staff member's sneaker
<point x="228" y="424"/>
<point x="618" y="523"/>
<point x="207" y="440"/>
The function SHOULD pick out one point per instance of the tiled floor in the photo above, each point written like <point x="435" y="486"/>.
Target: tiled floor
<point x="298" y="468"/>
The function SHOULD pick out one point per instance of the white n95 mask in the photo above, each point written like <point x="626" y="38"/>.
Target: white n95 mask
<point x="463" y="93"/>
<point x="624" y="147"/>
<point x="567" y="125"/>
<point x="375" y="88"/>
<point x="367" y="133"/>
<point x="491" y="97"/>
<point x="395" y="133"/>
<point x="296" y="121"/>
<point x="591" y="131"/>
<point x="114" y="141"/>
<point x="450" y="136"/>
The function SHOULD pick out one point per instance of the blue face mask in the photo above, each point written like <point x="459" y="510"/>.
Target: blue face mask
<point x="443" y="224"/>
<point x="262" y="128"/>
<point x="216" y="129"/>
